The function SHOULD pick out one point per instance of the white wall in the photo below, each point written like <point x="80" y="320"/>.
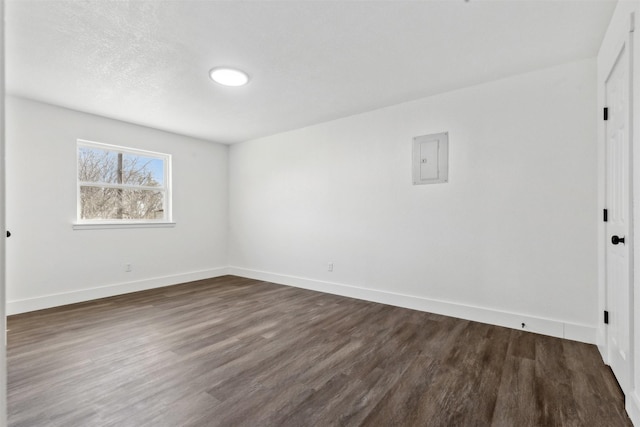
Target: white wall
<point x="49" y="263"/>
<point x="510" y="238"/>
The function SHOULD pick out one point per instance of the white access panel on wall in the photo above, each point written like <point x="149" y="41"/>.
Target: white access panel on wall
<point x="431" y="158"/>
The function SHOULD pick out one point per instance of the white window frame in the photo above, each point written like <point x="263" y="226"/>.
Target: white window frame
<point x="88" y="224"/>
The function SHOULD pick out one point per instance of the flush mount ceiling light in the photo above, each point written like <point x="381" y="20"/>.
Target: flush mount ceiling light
<point x="229" y="76"/>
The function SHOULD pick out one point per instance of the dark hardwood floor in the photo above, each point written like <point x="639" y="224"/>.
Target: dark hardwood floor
<point x="238" y="352"/>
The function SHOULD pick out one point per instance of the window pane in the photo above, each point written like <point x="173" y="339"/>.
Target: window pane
<point x="112" y="167"/>
<point x="96" y="165"/>
<point x="114" y="203"/>
<point x="140" y="170"/>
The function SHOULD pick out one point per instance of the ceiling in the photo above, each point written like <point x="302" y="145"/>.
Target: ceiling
<point x="147" y="62"/>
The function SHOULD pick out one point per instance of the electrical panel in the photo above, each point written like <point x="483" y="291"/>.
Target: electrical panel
<point x="431" y="158"/>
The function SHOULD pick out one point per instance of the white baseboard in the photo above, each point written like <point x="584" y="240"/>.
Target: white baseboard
<point x="632" y="405"/>
<point x="555" y="328"/>
<point x="576" y="332"/>
<point x="601" y="339"/>
<point x="54" y="300"/>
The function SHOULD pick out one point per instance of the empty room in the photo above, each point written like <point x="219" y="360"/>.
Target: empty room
<point x="318" y="213"/>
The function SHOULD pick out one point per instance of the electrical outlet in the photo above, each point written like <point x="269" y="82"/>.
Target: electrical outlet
<point x="127" y="268"/>
<point x="330" y="267"/>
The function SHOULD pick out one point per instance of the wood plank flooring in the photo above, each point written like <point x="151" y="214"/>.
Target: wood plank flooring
<point x="238" y="352"/>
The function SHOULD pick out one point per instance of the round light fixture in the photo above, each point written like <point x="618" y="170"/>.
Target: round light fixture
<point x="229" y="76"/>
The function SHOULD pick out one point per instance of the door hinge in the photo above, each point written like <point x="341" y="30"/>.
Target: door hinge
<point x="605" y="215"/>
<point x="606" y="113"/>
<point x="606" y="317"/>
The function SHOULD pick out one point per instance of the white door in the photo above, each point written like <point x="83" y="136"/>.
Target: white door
<point x="3" y="336"/>
<point x="618" y="227"/>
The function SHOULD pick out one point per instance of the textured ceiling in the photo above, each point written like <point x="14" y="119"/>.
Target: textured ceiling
<point x="147" y="62"/>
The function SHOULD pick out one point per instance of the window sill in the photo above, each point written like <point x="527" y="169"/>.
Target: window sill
<point x="112" y="225"/>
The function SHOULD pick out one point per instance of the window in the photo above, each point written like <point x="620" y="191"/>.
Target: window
<point x="118" y="185"/>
